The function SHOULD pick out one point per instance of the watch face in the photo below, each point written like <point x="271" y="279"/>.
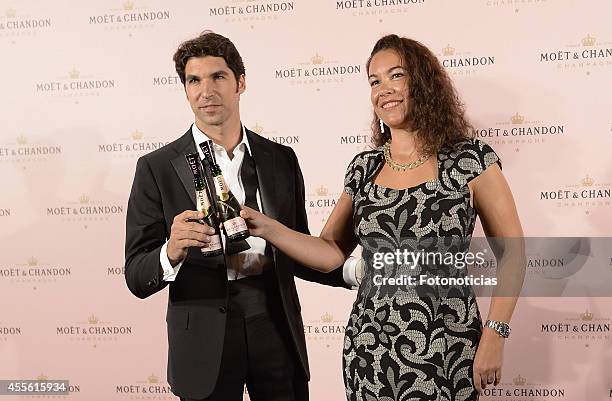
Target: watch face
<point x="503" y="329"/>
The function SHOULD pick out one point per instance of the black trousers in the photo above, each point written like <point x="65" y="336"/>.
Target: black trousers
<point x="258" y="351"/>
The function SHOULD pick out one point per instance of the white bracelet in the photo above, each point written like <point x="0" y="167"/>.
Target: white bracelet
<point x="359" y="266"/>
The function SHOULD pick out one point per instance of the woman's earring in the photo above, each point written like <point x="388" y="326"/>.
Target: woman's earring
<point x="382" y="126"/>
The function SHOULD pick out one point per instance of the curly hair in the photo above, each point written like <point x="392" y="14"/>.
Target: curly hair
<point x="208" y="44"/>
<point x="435" y="111"/>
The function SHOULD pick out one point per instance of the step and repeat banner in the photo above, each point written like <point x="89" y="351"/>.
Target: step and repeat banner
<point x="88" y="87"/>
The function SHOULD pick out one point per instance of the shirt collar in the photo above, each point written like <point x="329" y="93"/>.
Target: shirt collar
<point x="199" y="137"/>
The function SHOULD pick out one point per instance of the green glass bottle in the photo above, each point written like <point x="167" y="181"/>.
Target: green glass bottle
<point x="229" y="208"/>
<point x="203" y="204"/>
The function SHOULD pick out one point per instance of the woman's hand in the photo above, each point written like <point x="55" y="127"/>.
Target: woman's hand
<point x="488" y="360"/>
<point x="259" y="224"/>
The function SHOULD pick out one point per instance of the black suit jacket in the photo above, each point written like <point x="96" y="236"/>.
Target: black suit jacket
<point x="162" y="188"/>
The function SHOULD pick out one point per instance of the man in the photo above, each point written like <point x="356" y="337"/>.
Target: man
<point x="232" y="319"/>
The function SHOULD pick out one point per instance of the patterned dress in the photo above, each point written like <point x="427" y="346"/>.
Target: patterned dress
<point x="400" y="345"/>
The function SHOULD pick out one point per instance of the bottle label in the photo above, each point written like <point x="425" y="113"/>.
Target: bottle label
<point x="221" y="188"/>
<point x="202" y="202"/>
<point x="213" y="245"/>
<point x="235" y="225"/>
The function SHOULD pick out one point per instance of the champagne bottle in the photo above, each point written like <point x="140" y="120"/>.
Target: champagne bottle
<point x="229" y="208"/>
<point x="214" y="247"/>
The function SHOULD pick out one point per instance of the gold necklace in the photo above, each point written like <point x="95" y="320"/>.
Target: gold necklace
<point x="402" y="167"/>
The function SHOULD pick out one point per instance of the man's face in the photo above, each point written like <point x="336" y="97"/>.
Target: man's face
<point x="212" y="90"/>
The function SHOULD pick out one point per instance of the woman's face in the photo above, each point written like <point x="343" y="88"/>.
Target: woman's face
<point x="389" y="88"/>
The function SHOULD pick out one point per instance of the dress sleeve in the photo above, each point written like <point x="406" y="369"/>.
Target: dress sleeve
<point x="353" y="176"/>
<point x="476" y="158"/>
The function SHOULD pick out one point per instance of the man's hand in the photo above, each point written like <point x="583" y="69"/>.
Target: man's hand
<point x="185" y="233"/>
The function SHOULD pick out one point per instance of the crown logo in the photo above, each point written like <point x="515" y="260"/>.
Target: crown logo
<point x="588" y="41"/>
<point x="587" y="181"/>
<point x="92" y="319"/>
<point x="22" y="140"/>
<point x="137" y="135"/>
<point x="587" y="316"/>
<point x="258" y="129"/>
<point x="128" y="5"/>
<point x="74" y="73"/>
<point x="42" y="378"/>
<point x="519" y="380"/>
<point x="83" y="199"/>
<point x="322" y="191"/>
<point x="11" y="13"/>
<point x="153" y="379"/>
<point x="448" y="51"/>
<point x="327" y="318"/>
<point x="32" y="261"/>
<point x="517" y="118"/>
<point x="316" y="59"/>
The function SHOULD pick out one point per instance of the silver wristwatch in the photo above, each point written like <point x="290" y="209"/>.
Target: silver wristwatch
<point x="501" y="328"/>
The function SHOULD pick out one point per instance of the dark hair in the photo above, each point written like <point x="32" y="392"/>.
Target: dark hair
<point x="435" y="110"/>
<point x="208" y="44"/>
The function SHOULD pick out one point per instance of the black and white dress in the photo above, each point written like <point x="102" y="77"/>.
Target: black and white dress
<point x="400" y="345"/>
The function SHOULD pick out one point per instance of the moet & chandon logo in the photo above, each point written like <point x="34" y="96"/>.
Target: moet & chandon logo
<point x="75" y="84"/>
<point x="171" y="82"/>
<point x="588" y="53"/>
<point x="8" y="331"/>
<point x="135" y="145"/>
<point x="377" y="7"/>
<point x="25" y="148"/>
<point x="151" y="388"/>
<point x="130" y="15"/>
<point x="522" y="389"/>
<point x="85" y="209"/>
<point x="115" y="271"/>
<point x="585" y="326"/>
<point x="93" y="330"/>
<point x="13" y="23"/>
<point x="288" y="140"/>
<point x="325" y="328"/>
<point x="318" y="70"/>
<point x="464" y="62"/>
<point x="34" y="271"/>
<point x="250" y="10"/>
<point x="588" y="192"/>
<point x="517" y="130"/>
<point x="359" y="142"/>
<point x="320" y="202"/>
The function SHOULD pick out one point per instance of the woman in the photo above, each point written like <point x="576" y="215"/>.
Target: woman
<point x="428" y="178"/>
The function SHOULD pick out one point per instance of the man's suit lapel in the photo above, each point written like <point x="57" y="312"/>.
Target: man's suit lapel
<point x="185" y="146"/>
<point x="266" y="167"/>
